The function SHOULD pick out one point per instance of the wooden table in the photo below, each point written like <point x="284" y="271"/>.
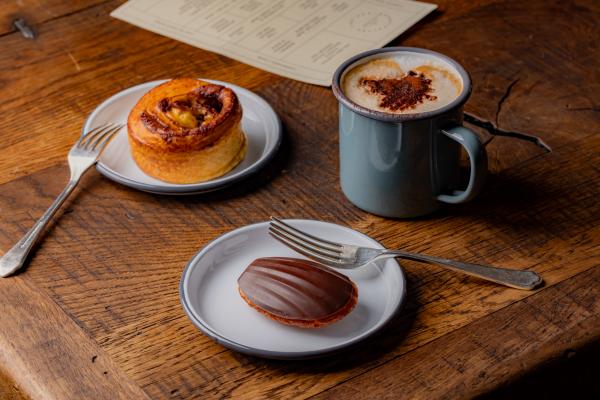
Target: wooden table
<point x="97" y="314"/>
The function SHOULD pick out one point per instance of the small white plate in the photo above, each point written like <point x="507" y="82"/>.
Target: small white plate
<point x="259" y="122"/>
<point x="210" y="297"/>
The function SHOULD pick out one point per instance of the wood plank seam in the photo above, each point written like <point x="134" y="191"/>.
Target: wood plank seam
<point x="14" y="30"/>
<point x="528" y="302"/>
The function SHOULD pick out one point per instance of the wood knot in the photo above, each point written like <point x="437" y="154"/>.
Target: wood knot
<point x="25" y="29"/>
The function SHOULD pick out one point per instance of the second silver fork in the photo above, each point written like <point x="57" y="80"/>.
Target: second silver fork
<point x="82" y="156"/>
<point x="340" y="255"/>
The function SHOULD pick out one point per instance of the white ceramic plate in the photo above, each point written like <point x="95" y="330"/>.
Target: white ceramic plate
<point x="209" y="294"/>
<point x="260" y="123"/>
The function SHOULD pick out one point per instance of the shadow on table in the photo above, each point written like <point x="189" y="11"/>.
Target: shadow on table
<point x="573" y="376"/>
<point x="503" y="195"/>
<point x="237" y="189"/>
<point x="373" y="351"/>
<point x="255" y="181"/>
<point x="517" y="203"/>
<point x="92" y="181"/>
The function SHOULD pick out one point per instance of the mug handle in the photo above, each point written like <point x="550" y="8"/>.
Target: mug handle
<point x="478" y="158"/>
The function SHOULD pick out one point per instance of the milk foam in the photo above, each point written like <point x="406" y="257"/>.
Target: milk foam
<point x="446" y="84"/>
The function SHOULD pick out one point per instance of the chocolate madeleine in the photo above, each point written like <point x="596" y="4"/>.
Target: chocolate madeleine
<point x="297" y="292"/>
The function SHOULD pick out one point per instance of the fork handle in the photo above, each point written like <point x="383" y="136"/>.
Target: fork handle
<point x="16" y="256"/>
<point x="527" y="280"/>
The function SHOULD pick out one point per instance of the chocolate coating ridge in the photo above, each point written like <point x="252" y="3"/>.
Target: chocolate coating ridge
<point x="291" y="289"/>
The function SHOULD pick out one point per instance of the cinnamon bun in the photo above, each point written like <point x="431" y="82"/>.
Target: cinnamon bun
<point x="187" y="131"/>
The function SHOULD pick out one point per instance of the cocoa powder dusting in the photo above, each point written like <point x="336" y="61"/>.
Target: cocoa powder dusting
<point x="400" y="94"/>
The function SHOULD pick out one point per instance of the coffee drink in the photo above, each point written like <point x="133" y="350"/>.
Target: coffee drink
<point x="401" y="133"/>
<point x="405" y="83"/>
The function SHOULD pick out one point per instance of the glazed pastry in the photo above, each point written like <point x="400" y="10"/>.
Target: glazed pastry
<point x="297" y="292"/>
<point x="187" y="131"/>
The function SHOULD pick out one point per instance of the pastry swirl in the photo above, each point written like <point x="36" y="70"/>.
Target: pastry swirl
<point x="186" y="131"/>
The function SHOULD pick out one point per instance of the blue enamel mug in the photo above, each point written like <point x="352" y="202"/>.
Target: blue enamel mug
<point x="406" y="165"/>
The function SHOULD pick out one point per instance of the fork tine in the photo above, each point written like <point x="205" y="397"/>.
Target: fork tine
<point x="103" y="138"/>
<point x="302" y="243"/>
<point x="306" y="236"/>
<point x="310" y="254"/>
<point x="88" y="138"/>
<point x="91" y="132"/>
<point x="291" y="234"/>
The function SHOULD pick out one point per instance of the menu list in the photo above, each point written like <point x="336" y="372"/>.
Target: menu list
<point x="300" y="39"/>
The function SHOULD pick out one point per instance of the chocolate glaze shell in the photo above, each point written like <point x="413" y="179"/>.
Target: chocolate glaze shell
<point x="297" y="292"/>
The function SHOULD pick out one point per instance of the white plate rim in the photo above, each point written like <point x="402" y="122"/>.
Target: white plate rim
<point x="194" y="188"/>
<point x="272" y="354"/>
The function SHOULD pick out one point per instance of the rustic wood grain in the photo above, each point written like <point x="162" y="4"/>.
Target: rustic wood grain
<point x="36" y="12"/>
<point x="76" y="63"/>
<point x="126" y="296"/>
<point x="112" y="262"/>
<point x="519" y="338"/>
<point x="69" y="364"/>
<point x="8" y="389"/>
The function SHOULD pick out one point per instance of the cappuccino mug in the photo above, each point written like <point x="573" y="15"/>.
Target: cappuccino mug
<point x="400" y="139"/>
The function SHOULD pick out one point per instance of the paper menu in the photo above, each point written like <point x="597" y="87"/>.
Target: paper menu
<point x="304" y="40"/>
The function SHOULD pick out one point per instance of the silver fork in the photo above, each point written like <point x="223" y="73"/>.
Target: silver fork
<point x="82" y="156"/>
<point x="338" y="255"/>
